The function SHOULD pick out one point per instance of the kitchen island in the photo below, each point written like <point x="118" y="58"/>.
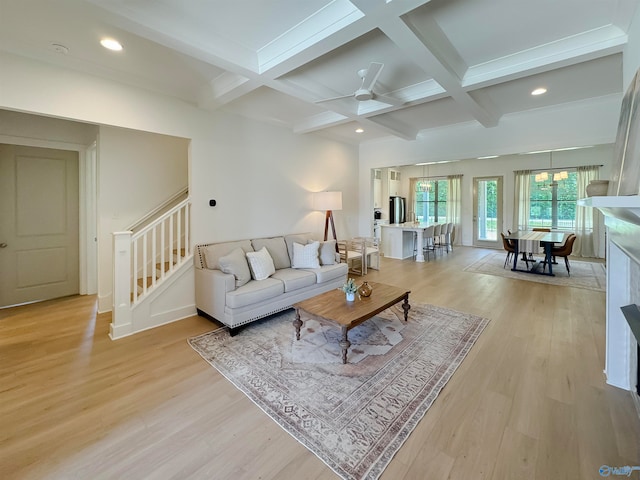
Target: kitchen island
<point x="398" y="240"/>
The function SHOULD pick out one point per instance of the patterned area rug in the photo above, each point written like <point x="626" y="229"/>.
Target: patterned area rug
<point x="591" y="276"/>
<point x="354" y="417"/>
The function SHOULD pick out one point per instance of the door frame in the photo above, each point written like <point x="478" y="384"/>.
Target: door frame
<point x="88" y="219"/>
<point x="499" y="209"/>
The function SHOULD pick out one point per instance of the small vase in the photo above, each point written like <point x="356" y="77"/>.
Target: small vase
<point x="351" y="296"/>
<point x="365" y="290"/>
<point x="597" y="188"/>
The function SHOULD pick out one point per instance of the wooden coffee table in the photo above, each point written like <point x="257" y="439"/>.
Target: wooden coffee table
<point x="333" y="307"/>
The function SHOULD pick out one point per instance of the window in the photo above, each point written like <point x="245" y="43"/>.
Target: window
<point x="553" y="203"/>
<point x="431" y="201"/>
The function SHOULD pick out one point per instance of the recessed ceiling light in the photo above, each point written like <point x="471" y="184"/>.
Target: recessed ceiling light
<point x="111" y="44"/>
<point x="359" y="130"/>
<point x="539" y="91"/>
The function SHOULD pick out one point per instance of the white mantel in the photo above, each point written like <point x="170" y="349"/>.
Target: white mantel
<point x="622" y="219"/>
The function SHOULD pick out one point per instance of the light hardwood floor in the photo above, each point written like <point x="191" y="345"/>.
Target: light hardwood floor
<point x="529" y="401"/>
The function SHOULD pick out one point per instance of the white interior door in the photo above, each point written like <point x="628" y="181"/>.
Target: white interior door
<point x="39" y="224"/>
<point x="487" y="212"/>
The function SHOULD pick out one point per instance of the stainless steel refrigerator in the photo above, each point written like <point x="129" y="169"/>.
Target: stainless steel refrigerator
<point x="397" y="209"/>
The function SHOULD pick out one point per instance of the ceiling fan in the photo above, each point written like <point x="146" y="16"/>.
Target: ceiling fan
<point x="369" y="77"/>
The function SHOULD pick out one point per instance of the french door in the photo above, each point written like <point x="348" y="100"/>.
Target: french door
<point x="487" y="212"/>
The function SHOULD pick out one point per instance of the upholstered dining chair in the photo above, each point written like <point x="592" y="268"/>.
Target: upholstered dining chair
<point x="564" y="251"/>
<point x="508" y="246"/>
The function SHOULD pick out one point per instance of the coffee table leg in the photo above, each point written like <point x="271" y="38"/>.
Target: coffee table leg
<point x="297" y="323"/>
<point x="345" y="344"/>
<point x="406" y="307"/>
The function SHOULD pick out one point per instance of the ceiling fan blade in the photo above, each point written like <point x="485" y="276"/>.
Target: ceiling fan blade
<point x="334" y="98"/>
<point x="373" y="72"/>
<point x="396" y="102"/>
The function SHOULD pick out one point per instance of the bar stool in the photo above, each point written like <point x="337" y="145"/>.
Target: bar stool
<point x="429" y="245"/>
<point x="437" y="232"/>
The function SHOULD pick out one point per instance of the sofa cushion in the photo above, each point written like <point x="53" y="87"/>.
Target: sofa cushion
<point x="276" y="248"/>
<point x="212" y="253"/>
<point x="330" y="272"/>
<point x="261" y="264"/>
<point x="301" y="238"/>
<point x="327" y="252"/>
<point x="305" y="256"/>
<point x="236" y="264"/>
<point x="254" y="292"/>
<point x="295" y="279"/>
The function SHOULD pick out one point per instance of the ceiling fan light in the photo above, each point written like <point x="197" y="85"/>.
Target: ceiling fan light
<point x="362" y="94"/>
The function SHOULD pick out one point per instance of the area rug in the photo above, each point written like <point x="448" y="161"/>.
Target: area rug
<point x="591" y="276"/>
<point x="356" y="416"/>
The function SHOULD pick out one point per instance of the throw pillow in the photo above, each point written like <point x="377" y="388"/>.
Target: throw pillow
<point x="276" y="248"/>
<point x="301" y="238"/>
<point x="328" y="252"/>
<point x="305" y="256"/>
<point x="261" y="264"/>
<point x="236" y="264"/>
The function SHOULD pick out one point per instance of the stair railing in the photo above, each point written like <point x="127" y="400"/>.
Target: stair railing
<point x="143" y="260"/>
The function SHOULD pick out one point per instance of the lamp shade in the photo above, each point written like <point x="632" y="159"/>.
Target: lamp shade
<point x="327" y="201"/>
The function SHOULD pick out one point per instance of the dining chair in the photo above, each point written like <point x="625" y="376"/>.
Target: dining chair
<point x="509" y="247"/>
<point x="564" y="251"/>
<point x="372" y="253"/>
<point x="352" y="252"/>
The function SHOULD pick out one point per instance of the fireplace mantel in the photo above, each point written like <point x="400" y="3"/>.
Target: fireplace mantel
<point x="625" y="208"/>
<point x="622" y="219"/>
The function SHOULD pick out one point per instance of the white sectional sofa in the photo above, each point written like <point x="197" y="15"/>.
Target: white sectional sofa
<point x="226" y="285"/>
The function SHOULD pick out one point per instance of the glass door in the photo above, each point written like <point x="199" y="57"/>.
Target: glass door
<point x="487" y="212"/>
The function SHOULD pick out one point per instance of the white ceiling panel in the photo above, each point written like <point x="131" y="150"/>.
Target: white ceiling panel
<point x="444" y="61"/>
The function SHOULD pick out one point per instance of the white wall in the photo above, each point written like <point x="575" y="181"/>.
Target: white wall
<point x="32" y="130"/>
<point x="260" y="175"/>
<point x="262" y="178"/>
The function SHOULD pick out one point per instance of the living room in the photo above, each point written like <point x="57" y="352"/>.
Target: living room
<point x="262" y="177"/>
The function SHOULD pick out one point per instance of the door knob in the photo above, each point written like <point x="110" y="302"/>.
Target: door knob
<point x="3" y="245"/>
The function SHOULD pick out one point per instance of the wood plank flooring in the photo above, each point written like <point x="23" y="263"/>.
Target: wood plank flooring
<point x="529" y="401"/>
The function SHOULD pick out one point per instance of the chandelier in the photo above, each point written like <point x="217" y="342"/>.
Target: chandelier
<point x="557" y="176"/>
<point x="423" y="184"/>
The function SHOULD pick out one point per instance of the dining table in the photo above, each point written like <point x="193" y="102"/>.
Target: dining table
<point x="527" y="241"/>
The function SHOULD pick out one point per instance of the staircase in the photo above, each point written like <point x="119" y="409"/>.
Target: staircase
<point x="145" y="264"/>
<point x="145" y="284"/>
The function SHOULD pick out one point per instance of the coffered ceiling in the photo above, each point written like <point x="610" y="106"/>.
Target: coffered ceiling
<point x="444" y="61"/>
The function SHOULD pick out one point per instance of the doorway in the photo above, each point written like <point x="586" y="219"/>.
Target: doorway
<point x="487" y="212"/>
<point x="39" y="232"/>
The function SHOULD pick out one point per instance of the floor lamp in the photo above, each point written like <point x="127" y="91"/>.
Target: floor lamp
<point x="328" y="201"/>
